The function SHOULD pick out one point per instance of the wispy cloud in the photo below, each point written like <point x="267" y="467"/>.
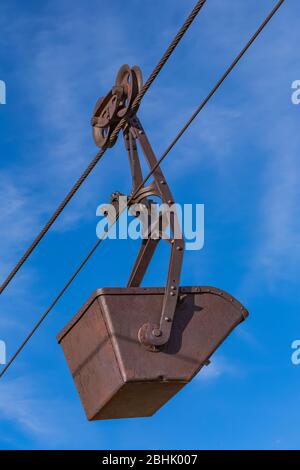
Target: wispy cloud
<point x="279" y="252"/>
<point x="21" y="405"/>
<point x="265" y="119"/>
<point x="27" y="406"/>
<point x="64" y="72"/>
<point x="220" y="366"/>
<point x="275" y="252"/>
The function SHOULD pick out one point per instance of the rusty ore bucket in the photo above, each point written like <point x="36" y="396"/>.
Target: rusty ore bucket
<point x="115" y="375"/>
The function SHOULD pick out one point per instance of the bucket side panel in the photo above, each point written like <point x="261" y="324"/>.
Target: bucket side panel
<point x="202" y="322"/>
<point x="139" y="399"/>
<point x="91" y="359"/>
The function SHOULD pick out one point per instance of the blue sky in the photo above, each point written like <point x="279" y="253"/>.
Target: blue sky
<point x="240" y="159"/>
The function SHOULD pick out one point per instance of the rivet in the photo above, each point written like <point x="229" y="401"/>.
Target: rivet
<point x="168" y="319"/>
<point x="156" y="332"/>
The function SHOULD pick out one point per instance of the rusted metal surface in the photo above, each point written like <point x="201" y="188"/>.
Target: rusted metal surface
<point x="116" y="105"/>
<point x="115" y="375"/>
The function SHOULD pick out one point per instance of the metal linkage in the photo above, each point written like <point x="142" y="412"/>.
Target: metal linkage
<point x="110" y="111"/>
<point x="158" y="335"/>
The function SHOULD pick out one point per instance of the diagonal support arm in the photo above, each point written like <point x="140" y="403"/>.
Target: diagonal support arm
<point x="153" y="336"/>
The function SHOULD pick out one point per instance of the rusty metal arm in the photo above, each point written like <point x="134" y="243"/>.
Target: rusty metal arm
<point x="156" y="335"/>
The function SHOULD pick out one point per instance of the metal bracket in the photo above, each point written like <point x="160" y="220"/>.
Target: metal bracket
<point x="108" y="113"/>
<point x="152" y="335"/>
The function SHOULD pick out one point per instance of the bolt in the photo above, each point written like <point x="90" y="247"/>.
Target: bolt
<point x="173" y="287"/>
<point x="168" y="319"/>
<point x="182" y="297"/>
<point x="156" y="332"/>
<point x="178" y="248"/>
<point x="117" y="91"/>
<point x="172" y="293"/>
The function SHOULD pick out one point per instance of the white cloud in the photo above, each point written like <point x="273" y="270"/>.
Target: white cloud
<point x="48" y="421"/>
<point x="279" y="252"/>
<point x="22" y="406"/>
<point x="20" y="214"/>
